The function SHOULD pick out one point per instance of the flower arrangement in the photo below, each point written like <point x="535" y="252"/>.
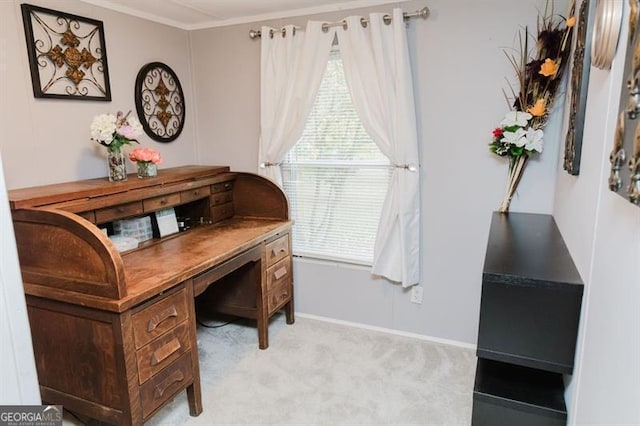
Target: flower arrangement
<point x="147" y="160"/>
<point x="145" y="155"/>
<point x="114" y="131"/>
<point x="539" y="72"/>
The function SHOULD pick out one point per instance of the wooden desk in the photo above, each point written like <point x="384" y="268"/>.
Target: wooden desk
<point x="114" y="333"/>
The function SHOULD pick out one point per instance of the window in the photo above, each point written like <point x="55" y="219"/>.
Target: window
<point x="336" y="178"/>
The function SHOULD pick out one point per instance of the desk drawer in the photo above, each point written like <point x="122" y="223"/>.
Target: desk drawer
<point x="222" y="186"/>
<point x="159" y="318"/>
<point x="221" y="212"/>
<point x="194" y="194"/>
<point x="118" y="212"/>
<point x="279" y="288"/>
<point x="161" y="352"/>
<point x="159" y="203"/>
<point x="221" y="197"/>
<point x="164" y="386"/>
<point x="278" y="249"/>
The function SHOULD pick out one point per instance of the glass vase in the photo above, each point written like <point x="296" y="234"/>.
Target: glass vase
<point x="117" y="165"/>
<point x="147" y="169"/>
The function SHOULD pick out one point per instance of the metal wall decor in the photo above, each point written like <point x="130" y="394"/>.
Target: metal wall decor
<point x="67" y="55"/>
<point x="608" y="20"/>
<point x="624" y="178"/>
<point x="579" y="84"/>
<point x="160" y="102"/>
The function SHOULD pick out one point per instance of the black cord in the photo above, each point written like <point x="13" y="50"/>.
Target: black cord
<point x="215" y="326"/>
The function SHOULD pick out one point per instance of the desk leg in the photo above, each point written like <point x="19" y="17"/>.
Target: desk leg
<point x="194" y="393"/>
<point x="263" y="328"/>
<point x="194" y="396"/>
<point x="288" y="310"/>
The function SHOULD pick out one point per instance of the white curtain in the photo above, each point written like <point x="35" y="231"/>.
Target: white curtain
<point x="292" y="67"/>
<point x="377" y="70"/>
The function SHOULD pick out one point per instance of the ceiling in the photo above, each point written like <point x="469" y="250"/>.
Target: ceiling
<point x="197" y="14"/>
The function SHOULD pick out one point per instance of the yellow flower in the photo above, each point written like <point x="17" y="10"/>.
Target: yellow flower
<point x="549" y="68"/>
<point x="538" y="109"/>
<point x="571" y="22"/>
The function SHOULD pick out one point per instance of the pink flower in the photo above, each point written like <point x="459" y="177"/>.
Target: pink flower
<point x="128" y="132"/>
<point x="145" y="155"/>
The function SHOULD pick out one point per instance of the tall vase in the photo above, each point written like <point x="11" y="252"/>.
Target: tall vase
<point x="117" y="165"/>
<point x="516" y="169"/>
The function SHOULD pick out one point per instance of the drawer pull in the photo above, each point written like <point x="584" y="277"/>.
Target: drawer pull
<point x="165" y="351"/>
<point x="280" y="273"/>
<point x="162" y="387"/>
<point x="227" y="185"/>
<point x="165" y="314"/>
<point x="163" y="201"/>
<point x="277" y="252"/>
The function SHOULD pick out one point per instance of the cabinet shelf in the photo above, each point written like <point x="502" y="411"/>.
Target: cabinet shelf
<point x="521" y="392"/>
<point x="529" y="317"/>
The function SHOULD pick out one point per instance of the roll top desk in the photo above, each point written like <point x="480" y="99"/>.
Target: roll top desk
<point x="114" y="333"/>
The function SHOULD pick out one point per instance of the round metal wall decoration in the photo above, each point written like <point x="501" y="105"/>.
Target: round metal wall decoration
<point x="608" y="19"/>
<point x="159" y="102"/>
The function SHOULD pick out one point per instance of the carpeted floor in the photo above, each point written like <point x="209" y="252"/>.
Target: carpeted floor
<point x="317" y="373"/>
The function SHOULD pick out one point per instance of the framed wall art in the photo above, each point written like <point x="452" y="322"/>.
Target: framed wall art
<point x="160" y="102"/>
<point x="579" y="84"/>
<point x="67" y="55"/>
<point x="624" y="176"/>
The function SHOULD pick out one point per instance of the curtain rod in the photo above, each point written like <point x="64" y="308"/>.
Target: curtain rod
<point x="422" y="13"/>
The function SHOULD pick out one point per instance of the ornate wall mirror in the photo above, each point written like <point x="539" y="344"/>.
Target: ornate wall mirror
<point x="159" y="102"/>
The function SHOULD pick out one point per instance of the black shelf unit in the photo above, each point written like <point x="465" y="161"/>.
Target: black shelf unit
<point x="529" y="317"/>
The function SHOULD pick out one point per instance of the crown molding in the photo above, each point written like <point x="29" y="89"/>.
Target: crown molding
<point x="334" y="7"/>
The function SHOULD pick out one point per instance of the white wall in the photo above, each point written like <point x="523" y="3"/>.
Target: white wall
<point x="18" y="377"/>
<point x="459" y="72"/>
<point x="602" y="232"/>
<point x="47" y="140"/>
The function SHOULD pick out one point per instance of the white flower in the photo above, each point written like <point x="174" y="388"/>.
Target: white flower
<point x="517" y="138"/>
<point x="103" y="127"/>
<point x="534" y="140"/>
<point x="516" y="118"/>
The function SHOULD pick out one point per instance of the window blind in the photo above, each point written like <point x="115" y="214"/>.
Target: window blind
<point x="336" y="178"/>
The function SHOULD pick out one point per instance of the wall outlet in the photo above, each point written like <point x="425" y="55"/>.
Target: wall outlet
<point x="416" y="294"/>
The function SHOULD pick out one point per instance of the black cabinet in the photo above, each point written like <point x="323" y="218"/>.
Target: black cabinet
<point x="529" y="314"/>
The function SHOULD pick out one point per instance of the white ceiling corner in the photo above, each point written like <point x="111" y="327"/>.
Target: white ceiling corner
<point x="199" y="14"/>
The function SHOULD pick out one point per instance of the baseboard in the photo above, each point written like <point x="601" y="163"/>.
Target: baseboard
<point x="389" y="331"/>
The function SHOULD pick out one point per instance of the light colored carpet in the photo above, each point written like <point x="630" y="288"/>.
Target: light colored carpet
<point x="317" y="373"/>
